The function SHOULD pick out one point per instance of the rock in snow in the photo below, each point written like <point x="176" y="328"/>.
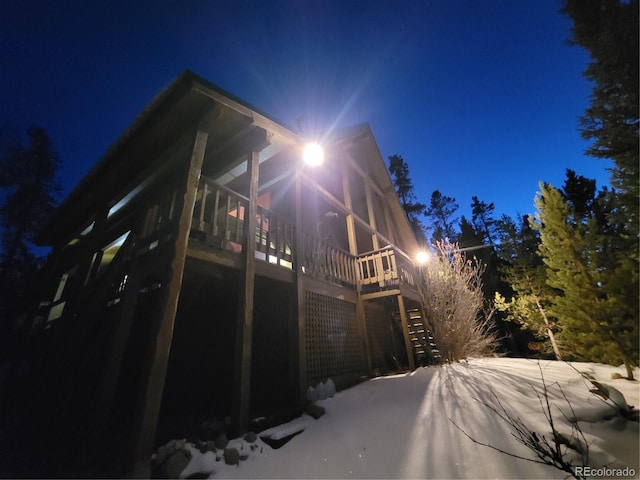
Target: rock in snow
<point x="322" y="391"/>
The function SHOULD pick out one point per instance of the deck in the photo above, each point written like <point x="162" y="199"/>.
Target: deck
<point x="218" y="229"/>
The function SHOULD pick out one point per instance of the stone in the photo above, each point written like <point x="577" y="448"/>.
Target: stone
<point x="211" y="446"/>
<point x="231" y="456"/>
<point x="312" y="395"/>
<point x="330" y="388"/>
<point x="161" y="456"/>
<point x="168" y="449"/>
<point x="315" y="411"/>
<point x="221" y="441"/>
<point x="173" y="465"/>
<point x="250" y="437"/>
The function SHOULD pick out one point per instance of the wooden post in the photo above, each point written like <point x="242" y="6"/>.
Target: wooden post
<point x="116" y="354"/>
<point x="244" y="331"/>
<point x="150" y="408"/>
<point x="302" y="324"/>
<point x="405" y="333"/>
<point x="351" y="226"/>
<point x="353" y="250"/>
<point x="362" y="327"/>
<point x="371" y="213"/>
<point x="389" y="222"/>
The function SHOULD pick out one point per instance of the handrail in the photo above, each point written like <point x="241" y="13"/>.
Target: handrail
<point x="219" y="220"/>
<point x="219" y="215"/>
<point x="322" y="260"/>
<point x="385" y="267"/>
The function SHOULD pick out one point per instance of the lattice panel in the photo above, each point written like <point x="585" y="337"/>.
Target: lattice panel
<point x="379" y="334"/>
<point x="334" y="346"/>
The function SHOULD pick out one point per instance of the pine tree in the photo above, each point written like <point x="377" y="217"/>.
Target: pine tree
<point x="441" y="211"/>
<point x="28" y="173"/>
<point x="525" y="272"/>
<point x="404" y="188"/>
<point x="592" y="305"/>
<point x="473" y="242"/>
<point x="482" y="218"/>
<point x="608" y="30"/>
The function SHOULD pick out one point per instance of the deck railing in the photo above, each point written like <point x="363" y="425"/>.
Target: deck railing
<point x="322" y="260"/>
<point x="274" y="238"/>
<point x="219" y="214"/>
<point x="219" y="221"/>
<point x="384" y="268"/>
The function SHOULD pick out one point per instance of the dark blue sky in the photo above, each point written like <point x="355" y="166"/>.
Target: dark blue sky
<point x="480" y="97"/>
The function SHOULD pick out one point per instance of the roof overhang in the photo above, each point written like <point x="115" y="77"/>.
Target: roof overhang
<point x="189" y="102"/>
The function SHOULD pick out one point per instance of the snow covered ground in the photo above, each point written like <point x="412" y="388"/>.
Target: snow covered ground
<point x="402" y="426"/>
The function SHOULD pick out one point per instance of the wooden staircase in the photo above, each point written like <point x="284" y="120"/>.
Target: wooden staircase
<point x="424" y="345"/>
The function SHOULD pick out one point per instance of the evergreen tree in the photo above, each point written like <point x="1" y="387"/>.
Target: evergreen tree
<point x="28" y="174"/>
<point x="482" y="218"/>
<point x="469" y="238"/>
<point x="579" y="192"/>
<point x="404" y="188"/>
<point x="597" y="312"/>
<point x="473" y="243"/>
<point x="441" y="211"/>
<point x="525" y="272"/>
<point x="608" y="30"/>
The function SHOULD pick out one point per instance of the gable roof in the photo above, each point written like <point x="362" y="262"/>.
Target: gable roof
<point x="187" y="100"/>
<point x="361" y="136"/>
<point x="184" y="101"/>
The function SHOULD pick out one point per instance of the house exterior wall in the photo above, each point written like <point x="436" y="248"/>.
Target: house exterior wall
<point x="210" y="187"/>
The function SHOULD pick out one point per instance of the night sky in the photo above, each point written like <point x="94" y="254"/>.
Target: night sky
<point x="480" y="97"/>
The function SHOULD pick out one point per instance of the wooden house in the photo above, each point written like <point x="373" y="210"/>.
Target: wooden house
<point x="201" y="269"/>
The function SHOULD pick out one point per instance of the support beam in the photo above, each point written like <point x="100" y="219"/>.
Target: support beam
<point x="371" y="213"/>
<point x="146" y="422"/>
<point x="115" y="357"/>
<point x="244" y="331"/>
<point x="405" y="333"/>
<point x="362" y="326"/>
<point x="351" y="226"/>
<point x="355" y="218"/>
<point x="380" y="294"/>
<point x="390" y="224"/>
<point x="302" y="324"/>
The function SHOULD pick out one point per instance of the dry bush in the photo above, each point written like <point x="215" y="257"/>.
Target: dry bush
<point x="556" y="449"/>
<point x="454" y="304"/>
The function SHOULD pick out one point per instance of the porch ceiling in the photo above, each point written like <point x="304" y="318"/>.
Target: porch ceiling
<point x="160" y="137"/>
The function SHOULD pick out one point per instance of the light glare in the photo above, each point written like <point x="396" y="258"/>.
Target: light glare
<point x="422" y="257"/>
<point x="313" y="155"/>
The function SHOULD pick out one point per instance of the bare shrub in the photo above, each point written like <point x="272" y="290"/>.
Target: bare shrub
<point x="454" y="304"/>
<point x="565" y="450"/>
<point x="556" y="449"/>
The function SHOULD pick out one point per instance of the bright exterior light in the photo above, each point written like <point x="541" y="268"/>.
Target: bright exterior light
<point x="422" y="257"/>
<point x="313" y="155"/>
